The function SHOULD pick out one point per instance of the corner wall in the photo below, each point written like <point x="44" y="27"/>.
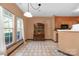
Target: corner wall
<point x="14" y="9"/>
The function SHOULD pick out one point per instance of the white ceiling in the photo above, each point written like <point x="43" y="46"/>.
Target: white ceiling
<point x="50" y="9"/>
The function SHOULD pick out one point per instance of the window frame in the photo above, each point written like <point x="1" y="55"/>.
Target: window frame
<point x="5" y="15"/>
<point x="21" y="28"/>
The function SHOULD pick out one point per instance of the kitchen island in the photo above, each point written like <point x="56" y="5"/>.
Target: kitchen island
<point x="68" y="41"/>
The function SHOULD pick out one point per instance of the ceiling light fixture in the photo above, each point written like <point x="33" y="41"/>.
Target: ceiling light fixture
<point x="76" y="10"/>
<point x="28" y="14"/>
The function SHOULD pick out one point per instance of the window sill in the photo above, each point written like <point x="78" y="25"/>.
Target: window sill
<point x="12" y="44"/>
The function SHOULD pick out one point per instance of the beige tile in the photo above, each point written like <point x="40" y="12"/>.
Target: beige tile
<point x="38" y="48"/>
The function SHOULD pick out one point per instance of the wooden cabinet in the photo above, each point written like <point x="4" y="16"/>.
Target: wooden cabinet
<point x="39" y="31"/>
<point x="65" y="20"/>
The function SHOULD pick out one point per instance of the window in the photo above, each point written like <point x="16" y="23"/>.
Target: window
<point x="8" y="26"/>
<point x="19" y="29"/>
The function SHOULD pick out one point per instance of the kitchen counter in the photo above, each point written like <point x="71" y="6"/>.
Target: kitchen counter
<point x="68" y="41"/>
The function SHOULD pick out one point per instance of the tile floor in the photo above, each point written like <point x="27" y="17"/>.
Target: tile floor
<point x="38" y="48"/>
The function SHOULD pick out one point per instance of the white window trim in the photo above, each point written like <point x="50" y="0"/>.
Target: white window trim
<point x="21" y="29"/>
<point x="11" y="28"/>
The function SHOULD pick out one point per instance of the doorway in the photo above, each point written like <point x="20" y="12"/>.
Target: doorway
<point x="39" y="31"/>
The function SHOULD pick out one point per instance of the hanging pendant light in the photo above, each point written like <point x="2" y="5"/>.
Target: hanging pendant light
<point x="28" y="14"/>
<point x="76" y="10"/>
